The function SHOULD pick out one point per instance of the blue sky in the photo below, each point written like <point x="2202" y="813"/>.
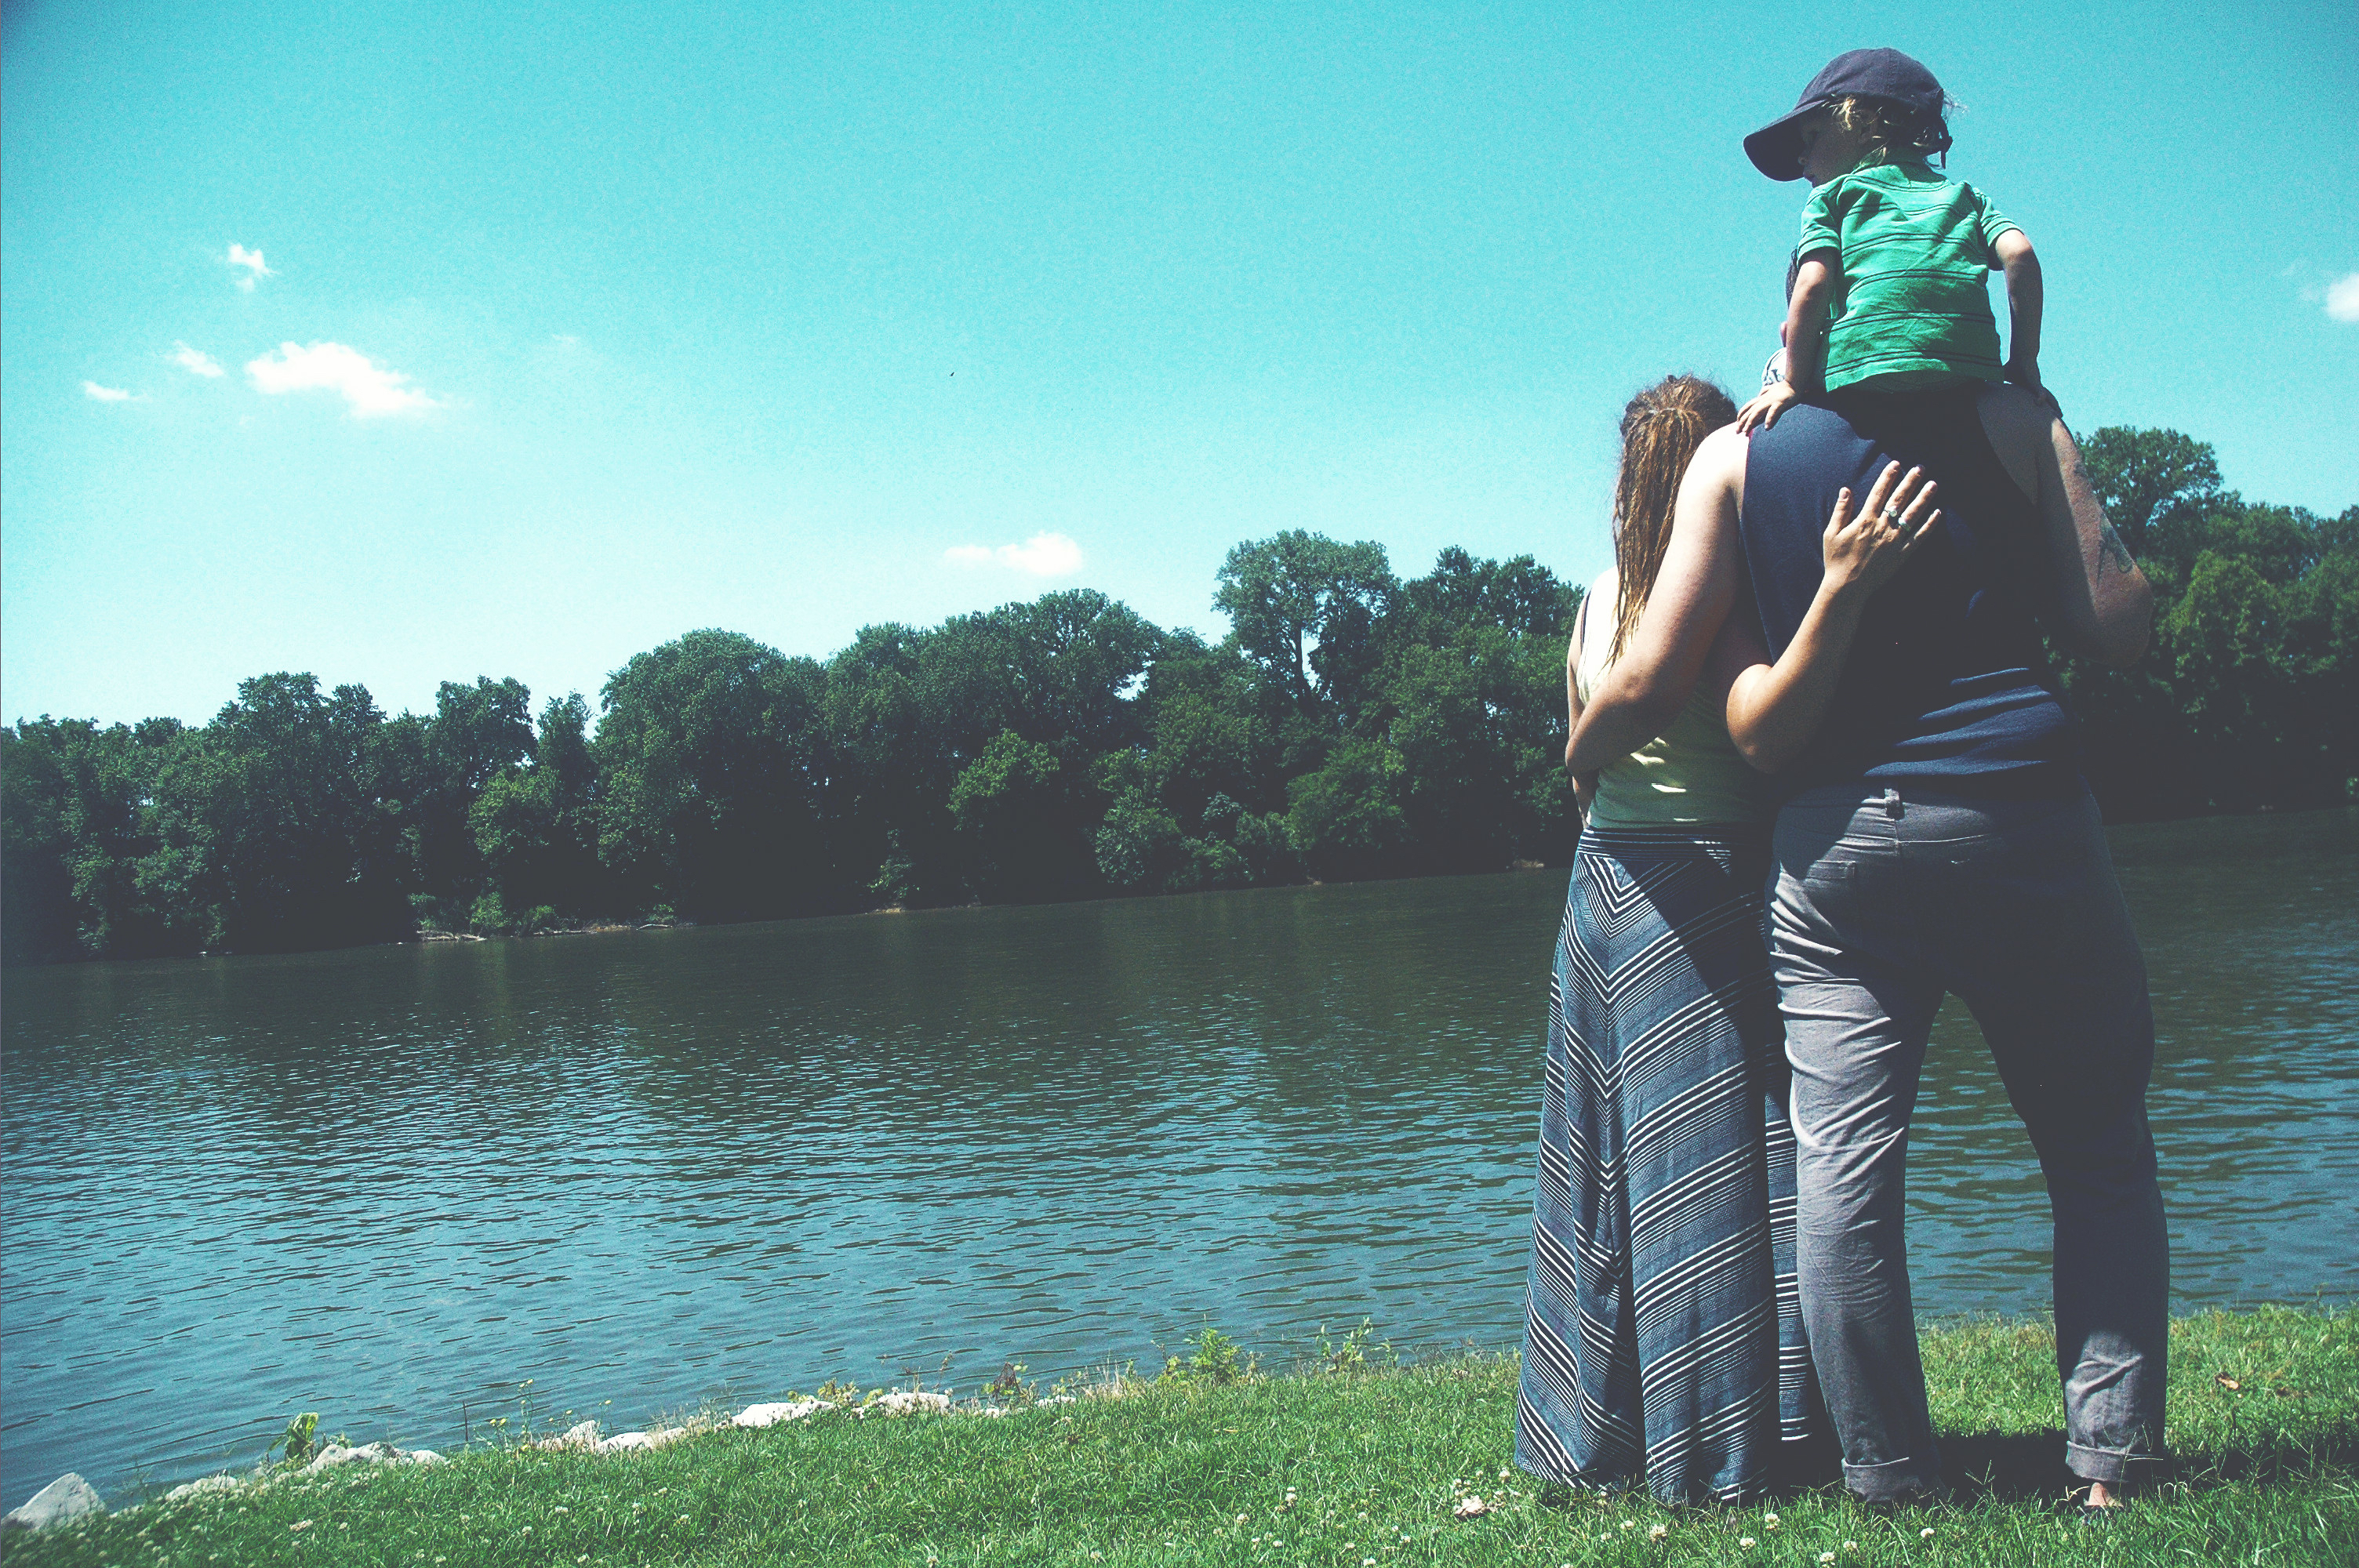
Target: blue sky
<point x="561" y="330"/>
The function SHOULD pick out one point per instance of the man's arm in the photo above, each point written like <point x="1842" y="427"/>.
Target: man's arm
<point x="2104" y="607"/>
<point x="1643" y="689"/>
<point x="2025" y="301"/>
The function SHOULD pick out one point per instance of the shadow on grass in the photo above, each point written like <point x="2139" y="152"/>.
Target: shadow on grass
<point x="2029" y="1467"/>
<point x="2021" y="1466"/>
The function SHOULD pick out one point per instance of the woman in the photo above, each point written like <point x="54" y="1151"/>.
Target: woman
<point x="1663" y="1341"/>
<point x="1936" y="837"/>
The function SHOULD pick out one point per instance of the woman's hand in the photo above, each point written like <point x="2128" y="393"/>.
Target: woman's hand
<point x="1862" y="550"/>
<point x="1775" y="709"/>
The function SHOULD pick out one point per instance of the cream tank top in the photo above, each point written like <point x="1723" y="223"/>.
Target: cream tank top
<point x="1691" y="772"/>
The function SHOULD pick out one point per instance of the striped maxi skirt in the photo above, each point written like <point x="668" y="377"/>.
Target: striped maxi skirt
<point x="1663" y="1335"/>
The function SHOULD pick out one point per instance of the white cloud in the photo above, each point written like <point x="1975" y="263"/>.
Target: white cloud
<point x="2342" y="297"/>
<point x="98" y="393"/>
<point x="250" y="260"/>
<point x="196" y="361"/>
<point x="1042" y="554"/>
<point x="370" y="391"/>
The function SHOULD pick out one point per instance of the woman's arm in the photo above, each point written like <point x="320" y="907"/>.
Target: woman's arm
<point x="1645" y="688"/>
<point x="1584" y="785"/>
<point x="2104" y="607"/>
<point x="1774" y="711"/>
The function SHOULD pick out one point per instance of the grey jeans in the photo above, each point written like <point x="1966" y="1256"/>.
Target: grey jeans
<point x="1880" y="903"/>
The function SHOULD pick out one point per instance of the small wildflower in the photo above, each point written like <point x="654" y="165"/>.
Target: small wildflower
<point x="1850" y="1546"/>
<point x="1769" y="1519"/>
<point x="1825" y="1557"/>
<point x="1926" y="1533"/>
<point x="1657" y="1531"/>
<point x="343" y="1527"/>
<point x="1503" y="1472"/>
<point x="683" y="1518"/>
<point x="1628" y="1525"/>
<point x="1097" y="1556"/>
<point x="1745" y="1542"/>
<point x="300" y="1524"/>
<point x="561" y="1508"/>
<point x="527" y="1530"/>
<point x="1241" y="1518"/>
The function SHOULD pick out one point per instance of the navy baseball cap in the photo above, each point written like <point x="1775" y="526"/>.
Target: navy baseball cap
<point x="1776" y="148"/>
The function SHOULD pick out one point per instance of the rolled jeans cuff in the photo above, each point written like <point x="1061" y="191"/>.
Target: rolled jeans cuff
<point x="1889" y="1482"/>
<point x="2112" y="1465"/>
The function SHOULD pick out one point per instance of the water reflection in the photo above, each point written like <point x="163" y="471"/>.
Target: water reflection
<point x="390" y="1184"/>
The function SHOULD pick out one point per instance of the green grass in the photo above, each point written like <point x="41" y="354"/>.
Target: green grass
<point x="2264" y="1474"/>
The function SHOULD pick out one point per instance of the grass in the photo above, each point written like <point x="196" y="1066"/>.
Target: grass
<point x="1376" y="1462"/>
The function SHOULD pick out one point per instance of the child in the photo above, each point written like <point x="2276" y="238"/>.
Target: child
<point x="1886" y="292"/>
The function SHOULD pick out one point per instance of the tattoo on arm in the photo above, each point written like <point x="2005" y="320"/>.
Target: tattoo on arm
<point x="2109" y="548"/>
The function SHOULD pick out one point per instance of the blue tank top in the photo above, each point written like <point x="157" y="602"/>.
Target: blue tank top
<point x="1948" y="684"/>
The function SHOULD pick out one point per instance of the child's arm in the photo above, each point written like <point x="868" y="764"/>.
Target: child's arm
<point x="2024" y="299"/>
<point x="1806" y="343"/>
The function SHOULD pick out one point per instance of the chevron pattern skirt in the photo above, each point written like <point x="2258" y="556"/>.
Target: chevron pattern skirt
<point x="1663" y="1339"/>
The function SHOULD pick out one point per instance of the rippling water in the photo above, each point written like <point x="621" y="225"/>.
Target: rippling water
<point x="644" y="1170"/>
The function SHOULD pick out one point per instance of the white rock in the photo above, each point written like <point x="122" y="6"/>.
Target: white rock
<point x="771" y="1414"/>
<point x="420" y="1456"/>
<point x="336" y="1454"/>
<point x="203" y="1485"/>
<point x="581" y="1436"/>
<point x="67" y="1498"/>
<point x="626" y="1443"/>
<point x="902" y="1401"/>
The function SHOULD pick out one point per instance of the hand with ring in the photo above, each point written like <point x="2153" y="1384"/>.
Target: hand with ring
<point x="1864" y="548"/>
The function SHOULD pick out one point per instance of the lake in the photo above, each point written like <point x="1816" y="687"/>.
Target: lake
<point x="644" y="1170"/>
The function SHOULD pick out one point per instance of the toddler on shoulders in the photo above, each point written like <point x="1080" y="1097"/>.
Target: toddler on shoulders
<point x="1888" y="290"/>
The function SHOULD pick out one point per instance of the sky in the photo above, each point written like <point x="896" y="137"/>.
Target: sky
<point x="409" y="343"/>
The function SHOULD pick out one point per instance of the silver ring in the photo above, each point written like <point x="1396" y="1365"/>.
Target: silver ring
<point x="1892" y="517"/>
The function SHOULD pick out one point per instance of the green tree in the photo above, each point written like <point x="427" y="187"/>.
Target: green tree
<point x="1345" y="820"/>
<point x="537" y="827"/>
<point x="1024" y="825"/>
<point x="1305" y="608"/>
<point x="711" y="763"/>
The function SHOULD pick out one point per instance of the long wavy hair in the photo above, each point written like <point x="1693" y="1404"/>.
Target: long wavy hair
<point x="1661" y="429"/>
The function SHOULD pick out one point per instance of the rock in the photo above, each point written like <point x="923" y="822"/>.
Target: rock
<point x="67" y="1498"/>
<point x="581" y="1436"/>
<point x="904" y="1401"/>
<point x="336" y="1454"/>
<point x="626" y="1443"/>
<point x="419" y="1457"/>
<point x="203" y="1484"/>
<point x="771" y="1414"/>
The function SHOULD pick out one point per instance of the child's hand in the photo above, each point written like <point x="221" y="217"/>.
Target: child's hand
<point x="1766" y="404"/>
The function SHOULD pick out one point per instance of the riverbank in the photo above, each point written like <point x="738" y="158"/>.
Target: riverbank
<point x="1343" y="1465"/>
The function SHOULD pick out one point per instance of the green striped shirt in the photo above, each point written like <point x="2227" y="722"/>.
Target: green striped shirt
<point x="1911" y="305"/>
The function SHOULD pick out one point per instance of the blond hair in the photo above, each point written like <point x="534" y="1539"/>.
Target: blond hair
<point x="1661" y="429"/>
<point x="1889" y="130"/>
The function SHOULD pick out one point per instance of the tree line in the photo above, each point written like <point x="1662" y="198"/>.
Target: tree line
<point x="1352" y="724"/>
